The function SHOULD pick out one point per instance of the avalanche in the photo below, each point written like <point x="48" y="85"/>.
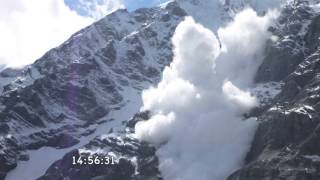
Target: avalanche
<point x="197" y="123"/>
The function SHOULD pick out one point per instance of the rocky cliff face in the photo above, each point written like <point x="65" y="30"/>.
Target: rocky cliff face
<point x="80" y="98"/>
<point x="286" y="144"/>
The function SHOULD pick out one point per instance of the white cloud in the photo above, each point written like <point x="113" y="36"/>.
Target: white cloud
<point x="29" y="28"/>
<point x="99" y="8"/>
<point x="197" y="122"/>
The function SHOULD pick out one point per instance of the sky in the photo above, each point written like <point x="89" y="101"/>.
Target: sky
<point x="129" y="4"/>
<point x="30" y="28"/>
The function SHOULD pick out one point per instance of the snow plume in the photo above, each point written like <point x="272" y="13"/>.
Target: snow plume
<point x="197" y="123"/>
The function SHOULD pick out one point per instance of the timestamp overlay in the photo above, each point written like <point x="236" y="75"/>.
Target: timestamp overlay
<point x="93" y="160"/>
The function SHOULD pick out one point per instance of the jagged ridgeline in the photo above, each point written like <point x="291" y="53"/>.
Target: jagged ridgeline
<point x="83" y="98"/>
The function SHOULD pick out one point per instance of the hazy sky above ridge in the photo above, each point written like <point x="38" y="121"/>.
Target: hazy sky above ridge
<point x="29" y="28"/>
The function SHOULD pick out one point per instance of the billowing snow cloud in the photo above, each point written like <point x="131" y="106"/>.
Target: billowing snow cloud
<point x="29" y="28"/>
<point x="197" y="123"/>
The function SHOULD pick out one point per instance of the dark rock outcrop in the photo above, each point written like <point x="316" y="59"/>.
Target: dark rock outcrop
<point x="285" y="145"/>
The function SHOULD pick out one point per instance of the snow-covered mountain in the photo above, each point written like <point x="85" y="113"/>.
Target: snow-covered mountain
<point x="86" y="86"/>
<point x="84" y="96"/>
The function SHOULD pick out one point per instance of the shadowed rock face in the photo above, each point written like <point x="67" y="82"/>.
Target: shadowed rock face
<point x="286" y="144"/>
<point x="284" y="55"/>
<point x="312" y="42"/>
